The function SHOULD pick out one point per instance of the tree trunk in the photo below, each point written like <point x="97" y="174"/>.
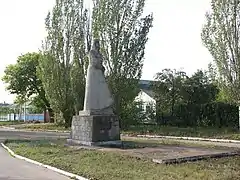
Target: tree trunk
<point x="51" y="114"/>
<point x="45" y="116"/>
<point x="67" y="118"/>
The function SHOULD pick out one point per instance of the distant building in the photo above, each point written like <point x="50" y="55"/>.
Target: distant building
<point x="4" y="104"/>
<point x="146" y="96"/>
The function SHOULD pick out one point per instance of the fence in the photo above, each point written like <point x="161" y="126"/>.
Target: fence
<point x="3" y="117"/>
<point x="29" y="117"/>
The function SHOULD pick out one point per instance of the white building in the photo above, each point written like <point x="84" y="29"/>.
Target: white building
<point x="146" y="97"/>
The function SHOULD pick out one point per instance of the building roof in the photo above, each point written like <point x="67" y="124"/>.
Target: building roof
<point x="149" y="93"/>
<point x="4" y="104"/>
<point x="145" y="86"/>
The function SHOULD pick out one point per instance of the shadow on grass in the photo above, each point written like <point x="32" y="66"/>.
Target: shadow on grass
<point x="131" y="145"/>
<point x="60" y="142"/>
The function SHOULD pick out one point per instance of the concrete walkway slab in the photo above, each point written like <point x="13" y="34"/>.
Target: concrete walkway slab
<point x="16" y="169"/>
<point x="167" y="153"/>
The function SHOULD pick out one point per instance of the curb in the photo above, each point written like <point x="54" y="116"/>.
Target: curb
<point x="71" y="175"/>
<point x="191" y="138"/>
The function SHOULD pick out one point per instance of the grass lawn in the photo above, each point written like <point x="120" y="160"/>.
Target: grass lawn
<point x="205" y="132"/>
<point x="42" y="127"/>
<point x="112" y="165"/>
<point x="6" y="123"/>
<point x="142" y="142"/>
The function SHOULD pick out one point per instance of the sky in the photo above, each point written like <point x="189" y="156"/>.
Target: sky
<point x="174" y="40"/>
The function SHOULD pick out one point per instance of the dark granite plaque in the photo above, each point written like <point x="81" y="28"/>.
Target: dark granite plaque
<point x="95" y="130"/>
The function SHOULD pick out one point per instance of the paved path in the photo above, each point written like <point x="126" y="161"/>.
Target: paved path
<point x="16" y="169"/>
<point x="22" y="134"/>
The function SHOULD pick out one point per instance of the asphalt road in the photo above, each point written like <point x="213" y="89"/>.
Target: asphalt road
<point x="16" y="169"/>
<point x="21" y="134"/>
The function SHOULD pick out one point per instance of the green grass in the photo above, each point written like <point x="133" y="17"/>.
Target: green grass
<point x="6" y="123"/>
<point x="205" y="132"/>
<point x="42" y="127"/>
<point x="112" y="165"/>
<point x="170" y="142"/>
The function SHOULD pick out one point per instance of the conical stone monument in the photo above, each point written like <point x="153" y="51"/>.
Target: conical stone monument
<point x="96" y="124"/>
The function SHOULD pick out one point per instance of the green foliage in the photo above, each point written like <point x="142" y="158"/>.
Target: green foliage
<point x="168" y="88"/>
<point x="123" y="33"/>
<point x="21" y="77"/>
<point x="23" y="81"/>
<point x="192" y="101"/>
<point x="211" y="114"/>
<point x="20" y="100"/>
<point x="64" y="54"/>
<point x="132" y="115"/>
<point x="36" y="105"/>
<point x="4" y="110"/>
<point x="173" y="88"/>
<point x="220" y="35"/>
<point x="198" y="89"/>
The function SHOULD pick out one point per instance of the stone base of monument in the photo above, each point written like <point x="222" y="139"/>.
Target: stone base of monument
<point x="93" y="129"/>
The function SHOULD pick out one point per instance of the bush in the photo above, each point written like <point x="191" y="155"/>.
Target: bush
<point x="132" y="114"/>
<point x="206" y="115"/>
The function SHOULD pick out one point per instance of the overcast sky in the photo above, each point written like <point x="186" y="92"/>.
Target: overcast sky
<point x="174" y="41"/>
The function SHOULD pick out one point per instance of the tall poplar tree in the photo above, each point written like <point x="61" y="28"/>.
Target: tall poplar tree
<point x="221" y="36"/>
<point x="123" y="31"/>
<point x="62" y="66"/>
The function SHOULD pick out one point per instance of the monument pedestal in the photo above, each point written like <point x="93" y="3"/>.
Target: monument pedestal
<point x="94" y="129"/>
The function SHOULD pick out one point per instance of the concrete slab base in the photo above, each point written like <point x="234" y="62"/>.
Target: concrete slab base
<point x="170" y="154"/>
<point x="89" y="143"/>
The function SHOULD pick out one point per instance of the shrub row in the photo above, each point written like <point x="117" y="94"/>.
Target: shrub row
<point x="209" y="115"/>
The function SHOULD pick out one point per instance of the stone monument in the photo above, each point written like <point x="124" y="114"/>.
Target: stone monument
<point x="96" y="124"/>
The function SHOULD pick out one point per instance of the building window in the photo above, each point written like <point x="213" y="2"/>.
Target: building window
<point x="148" y="108"/>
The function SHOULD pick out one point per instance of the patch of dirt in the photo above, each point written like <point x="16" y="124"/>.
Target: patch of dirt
<point x="164" y="152"/>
